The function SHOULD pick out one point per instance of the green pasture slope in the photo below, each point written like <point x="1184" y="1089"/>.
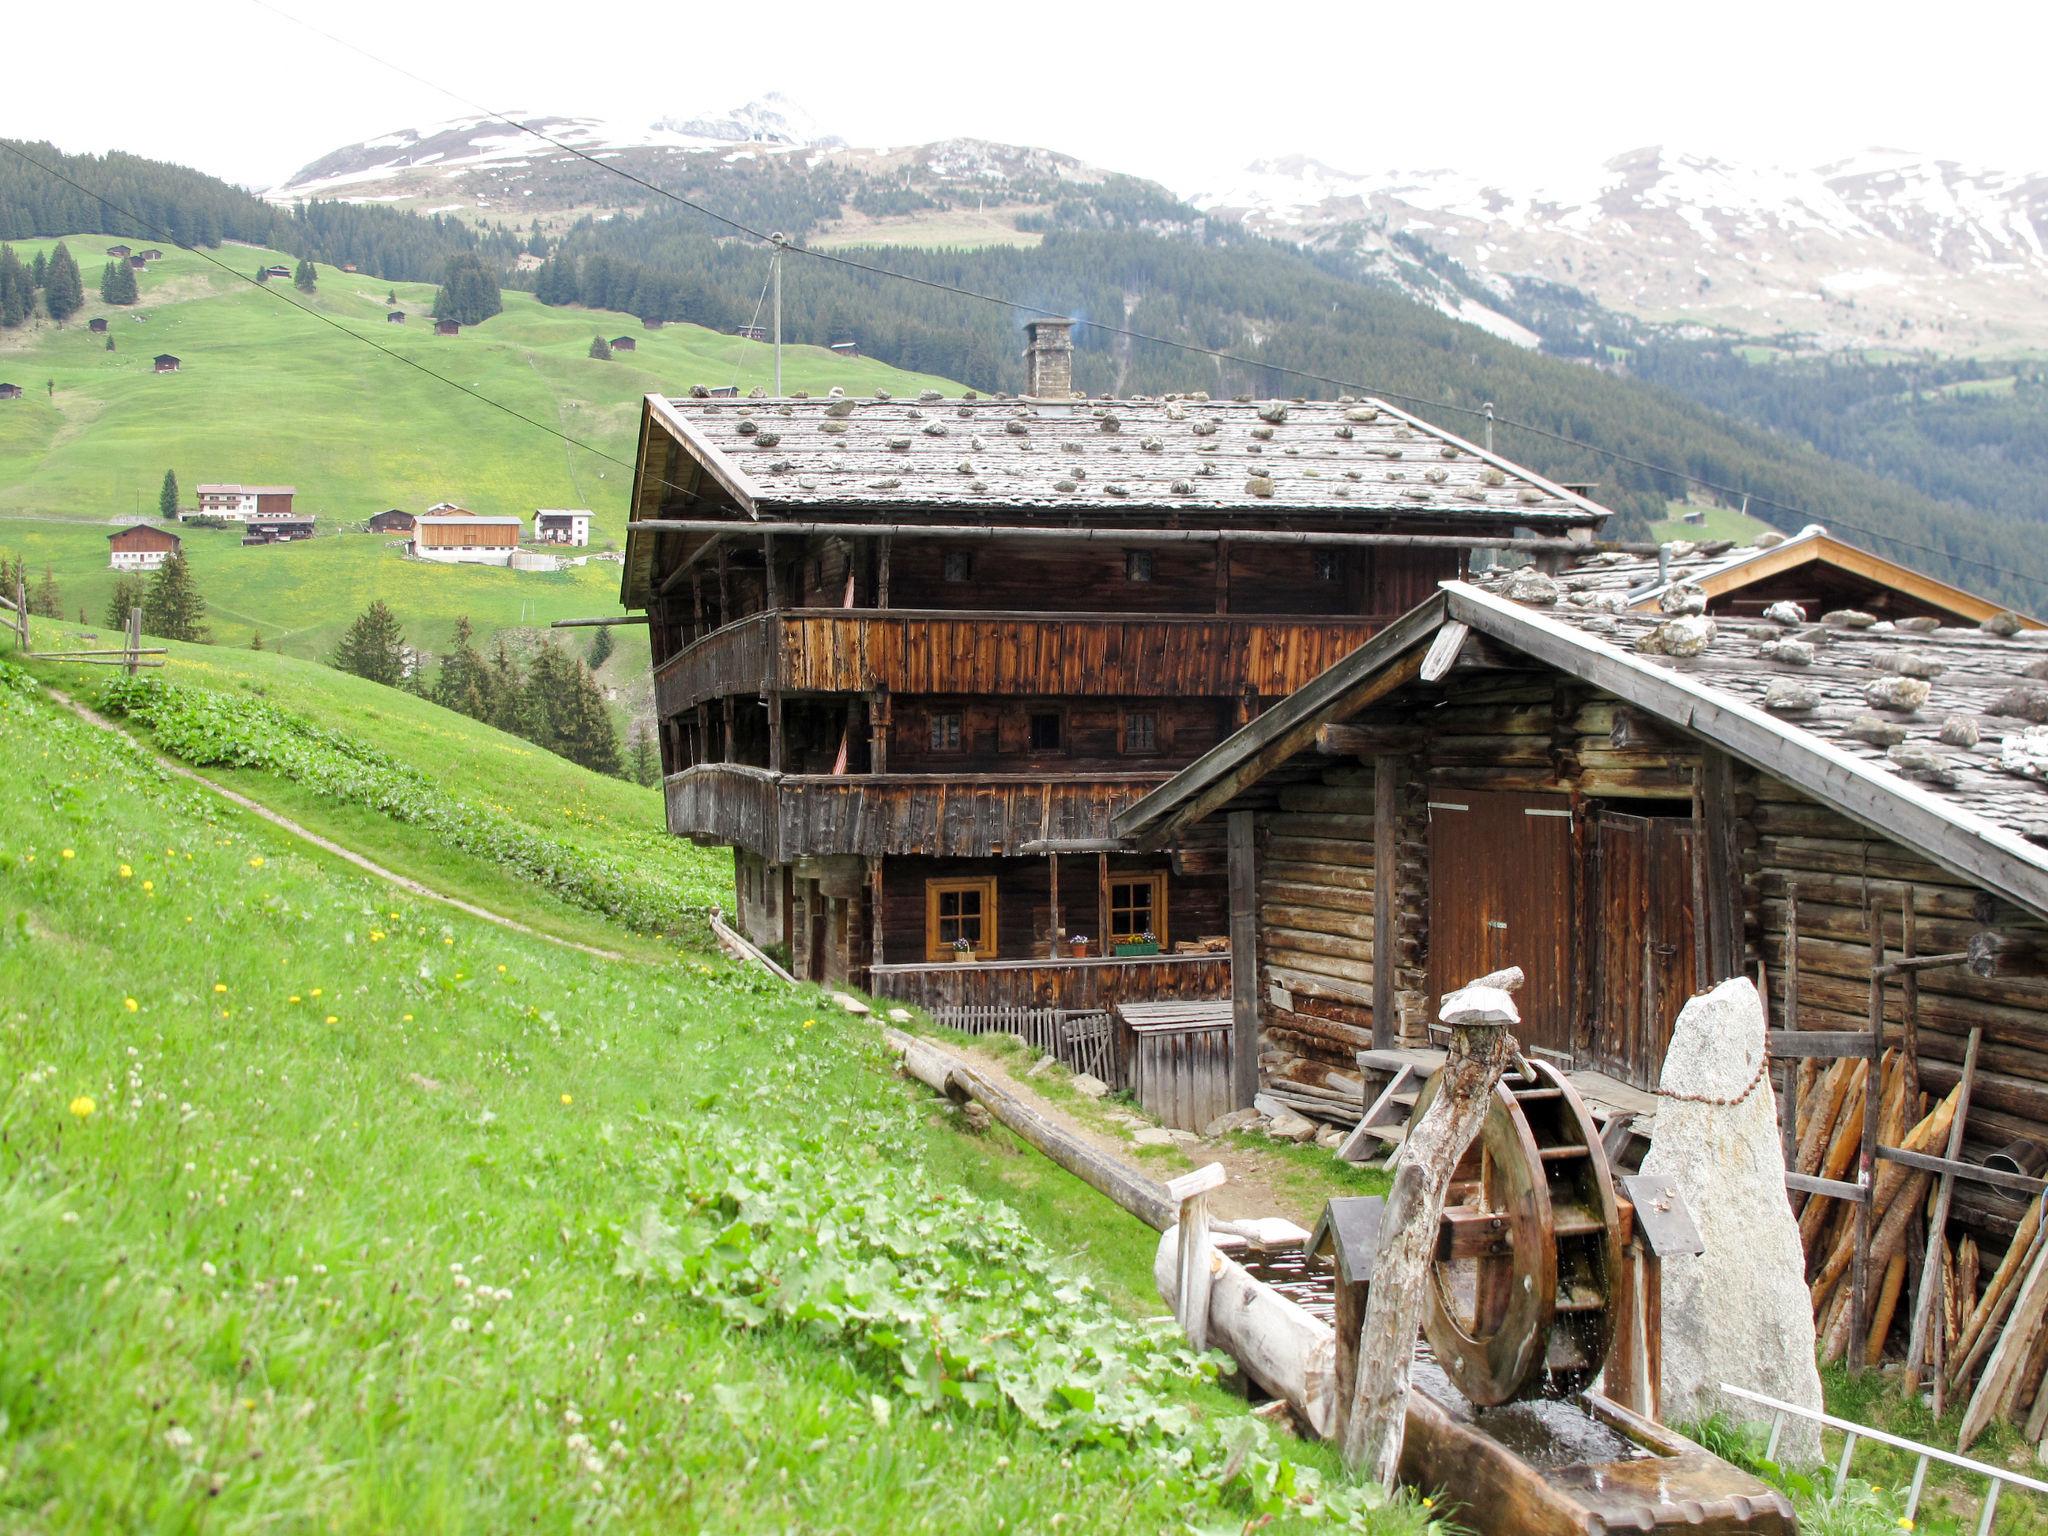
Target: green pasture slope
<point x="269" y="395"/>
<point x="325" y="1208"/>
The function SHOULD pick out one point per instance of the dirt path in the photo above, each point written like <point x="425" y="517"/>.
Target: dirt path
<point x="324" y="844"/>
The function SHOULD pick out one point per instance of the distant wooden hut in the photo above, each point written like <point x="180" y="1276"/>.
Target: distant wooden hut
<point x="97" y="325"/>
<point x="393" y="521"/>
<point x="166" y="363"/>
<point x="395" y="317"/>
<point x="117" y="250"/>
<point x="137" y="262"/>
<point x="846" y="349"/>
<point x="752" y="332"/>
<point x="447" y="328"/>
<point x="152" y="254"/>
<point x="623" y="344"/>
<point x="10" y="391"/>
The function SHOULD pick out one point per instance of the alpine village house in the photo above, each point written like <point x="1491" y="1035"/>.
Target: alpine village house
<point x="912" y="656"/>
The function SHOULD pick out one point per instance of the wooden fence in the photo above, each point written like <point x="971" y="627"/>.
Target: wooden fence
<point x="1083" y="1041"/>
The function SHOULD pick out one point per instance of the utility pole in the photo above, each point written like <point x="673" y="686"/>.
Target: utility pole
<point x="775" y="281"/>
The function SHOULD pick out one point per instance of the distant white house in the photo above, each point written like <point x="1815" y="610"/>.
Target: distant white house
<point x="140" y="548"/>
<point x="247" y="503"/>
<point x="561" y="525"/>
<point x="457" y="536"/>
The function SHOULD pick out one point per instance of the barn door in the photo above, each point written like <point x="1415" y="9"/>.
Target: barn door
<point x="1643" y="922"/>
<point x="1500" y="893"/>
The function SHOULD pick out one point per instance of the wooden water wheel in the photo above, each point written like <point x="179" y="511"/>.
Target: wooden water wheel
<point x="1520" y="1294"/>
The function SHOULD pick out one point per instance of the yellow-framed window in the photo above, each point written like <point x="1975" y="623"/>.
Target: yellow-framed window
<point x="1137" y="906"/>
<point x="956" y="910"/>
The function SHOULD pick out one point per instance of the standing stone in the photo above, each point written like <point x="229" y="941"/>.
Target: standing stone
<point x="1738" y="1312"/>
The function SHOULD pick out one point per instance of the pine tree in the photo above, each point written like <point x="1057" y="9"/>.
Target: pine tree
<point x="110" y="343"/>
<point x="504" y="690"/>
<point x="601" y="349"/>
<point x="563" y="709"/>
<point x="17" y="290"/>
<point x="462" y="684"/>
<point x="173" y="609"/>
<point x="391" y="299"/>
<point x="593" y="739"/>
<point x="40" y="272"/>
<point x="469" y="291"/>
<point x="600" y="647"/>
<point x="255" y="639"/>
<point x="44" y="601"/>
<point x="63" y="288"/>
<point x="167" y="498"/>
<point x="646" y="766"/>
<point x="304" y="278"/>
<point x="129" y="592"/>
<point x="373" y="647"/>
<point x="117" y="283"/>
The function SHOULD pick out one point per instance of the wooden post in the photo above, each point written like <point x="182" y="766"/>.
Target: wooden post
<point x="1386" y="773"/>
<point x="696" y="605"/>
<point x="1480" y="1046"/>
<point x="724" y="586"/>
<point x="725" y="755"/>
<point x="774" y="701"/>
<point x="1927" y="1298"/>
<point x="1244" y="962"/>
<point x="1059" y="933"/>
<point x="1190" y="1192"/>
<point x="1866" y="1156"/>
<point x="134" y="641"/>
<point x="878" y="732"/>
<point x="771" y="583"/>
<point x="21" y="612"/>
<point x="1721" y="865"/>
<point x="1102" y="898"/>
<point x="1909" y="1002"/>
<point x="875" y="913"/>
<point x="1222" y="577"/>
<point x="882" y="574"/>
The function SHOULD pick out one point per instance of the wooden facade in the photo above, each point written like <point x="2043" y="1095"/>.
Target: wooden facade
<point x="912" y="696"/>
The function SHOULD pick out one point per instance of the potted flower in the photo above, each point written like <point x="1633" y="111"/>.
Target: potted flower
<point x="1146" y="943"/>
<point x="963" y="951"/>
<point x="1077" y="945"/>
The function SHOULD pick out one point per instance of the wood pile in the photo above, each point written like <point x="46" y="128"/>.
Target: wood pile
<point x="1988" y="1345"/>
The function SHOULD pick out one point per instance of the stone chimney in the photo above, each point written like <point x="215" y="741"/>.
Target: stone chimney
<point x="1049" y="359"/>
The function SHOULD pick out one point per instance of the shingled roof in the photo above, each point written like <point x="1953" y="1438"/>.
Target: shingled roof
<point x="778" y="457"/>
<point x="1937" y="738"/>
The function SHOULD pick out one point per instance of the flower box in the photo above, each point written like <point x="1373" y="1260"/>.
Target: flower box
<point x="1136" y="947"/>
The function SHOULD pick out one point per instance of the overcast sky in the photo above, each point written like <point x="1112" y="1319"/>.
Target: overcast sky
<point x="1184" y="93"/>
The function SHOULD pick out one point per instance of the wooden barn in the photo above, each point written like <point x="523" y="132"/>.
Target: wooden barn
<point x="393" y="521"/>
<point x="623" y="344"/>
<point x="1632" y="807"/>
<point x="10" y="391"/>
<point x="138" y="262"/>
<point x="911" y="655"/>
<point x="166" y="362"/>
<point x="394" y="317"/>
<point x="97" y="325"/>
<point x="118" y="250"/>
<point x="845" y="349"/>
<point x="447" y="328"/>
<point x="457" y="536"/>
<point x="140" y="547"/>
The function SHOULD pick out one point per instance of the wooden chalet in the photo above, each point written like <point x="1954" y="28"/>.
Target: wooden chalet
<point x="394" y="317"/>
<point x="152" y="254"/>
<point x="1492" y="782"/>
<point x="1812" y="568"/>
<point x="447" y="328"/>
<point x="10" y="391"/>
<point x="166" y="362"/>
<point x="623" y="344"/>
<point x="118" y="250"/>
<point x="393" y="521"/>
<point x="140" y="547"/>
<point x="910" y="656"/>
<point x="138" y="262"/>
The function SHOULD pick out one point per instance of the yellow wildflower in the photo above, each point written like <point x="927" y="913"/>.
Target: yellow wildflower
<point x="220" y="986"/>
<point x="127" y="873"/>
<point x="332" y="1019"/>
<point x="501" y="970"/>
<point x="376" y="935"/>
<point x="408" y="1018"/>
<point x="256" y="862"/>
<point x="130" y="1004"/>
<point x="69" y="854"/>
<point x="149" y="887"/>
<point x="293" y="998"/>
<point x="83" y="1106"/>
<point x="314" y="993"/>
<point x="567" y="1100"/>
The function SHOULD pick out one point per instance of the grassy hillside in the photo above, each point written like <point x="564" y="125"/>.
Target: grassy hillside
<point x="269" y="395"/>
<point x="328" y="1209"/>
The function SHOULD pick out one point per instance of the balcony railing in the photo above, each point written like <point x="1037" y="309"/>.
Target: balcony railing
<point x="1098" y="983"/>
<point x="855" y="650"/>
<point x="783" y="816"/>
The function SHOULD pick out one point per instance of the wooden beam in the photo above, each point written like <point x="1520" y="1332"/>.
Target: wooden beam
<point x="1720" y="866"/>
<point x="1825" y="1044"/>
<point x="1346" y="739"/>
<point x="1443" y="650"/>
<point x="1244" y="962"/>
<point x="1927" y="1296"/>
<point x="1386" y="774"/>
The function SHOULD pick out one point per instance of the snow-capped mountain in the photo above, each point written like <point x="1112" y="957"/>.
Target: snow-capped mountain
<point x="1886" y="248"/>
<point x="771" y="119"/>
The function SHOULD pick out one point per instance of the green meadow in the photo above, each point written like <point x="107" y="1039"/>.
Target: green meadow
<point x="266" y="394"/>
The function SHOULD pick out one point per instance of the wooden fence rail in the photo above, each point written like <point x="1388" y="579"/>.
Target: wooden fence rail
<point x="1083" y="1041"/>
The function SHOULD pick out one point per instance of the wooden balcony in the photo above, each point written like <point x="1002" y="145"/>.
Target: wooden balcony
<point x="783" y="816"/>
<point x="861" y="650"/>
<point x="1100" y="983"/>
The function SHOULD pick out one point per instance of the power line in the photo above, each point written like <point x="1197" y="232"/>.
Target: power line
<point x="1192" y="348"/>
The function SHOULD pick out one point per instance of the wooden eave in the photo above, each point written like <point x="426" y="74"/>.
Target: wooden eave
<point x="662" y="431"/>
<point x="1949" y="835"/>
<point x="1817" y="546"/>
